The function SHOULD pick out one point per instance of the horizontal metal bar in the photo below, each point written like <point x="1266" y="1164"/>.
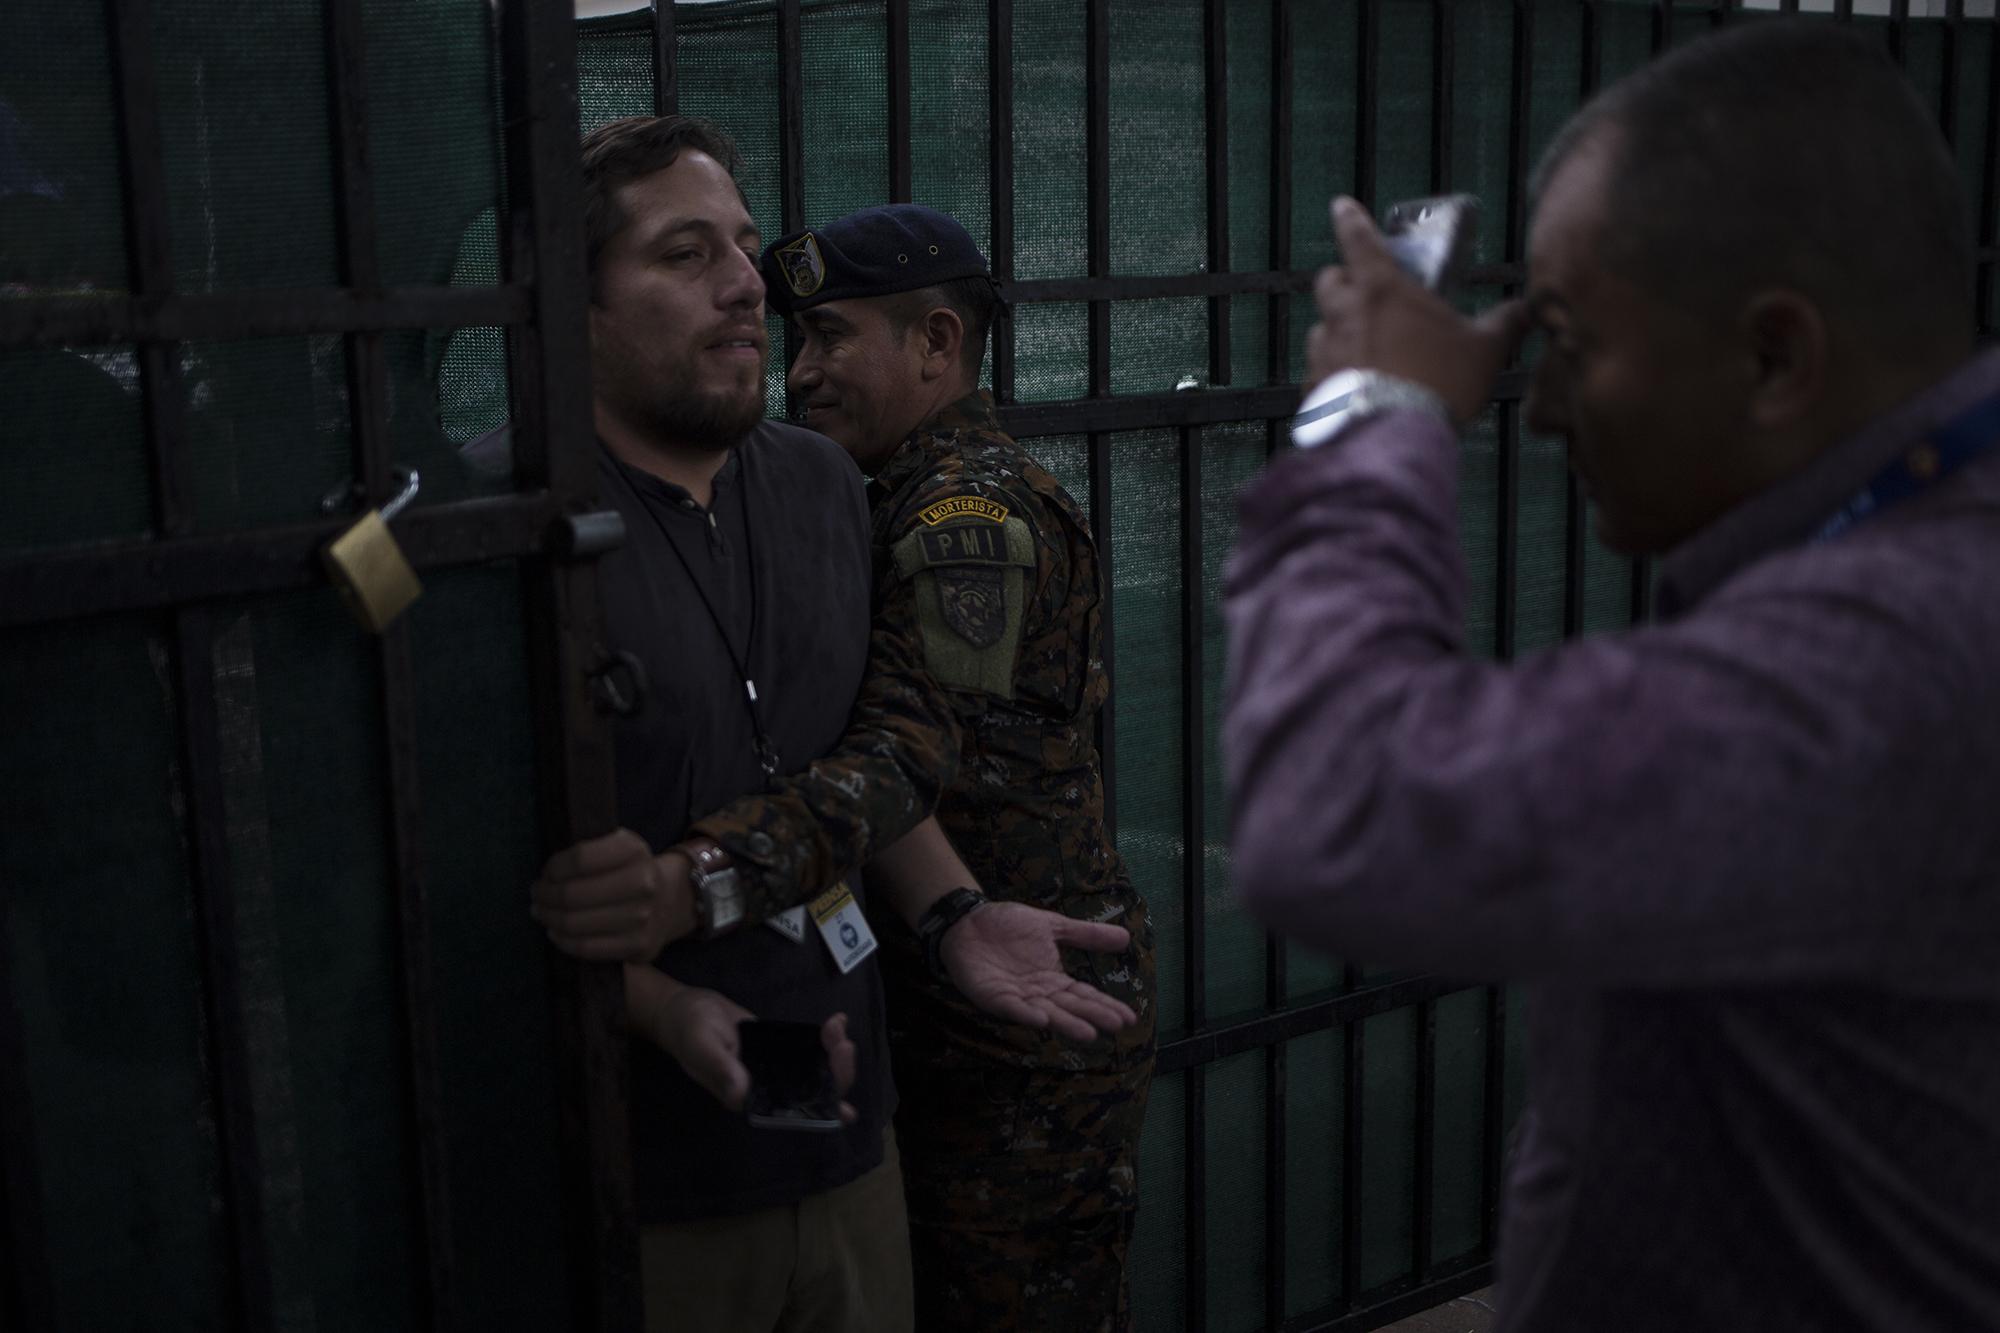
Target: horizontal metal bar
<point x="1139" y="288"/>
<point x="1373" y="1312"/>
<point x="1189" y="407"/>
<point x="1221" y="1042"/>
<point x="46" y="585"/>
<point x="80" y="321"/>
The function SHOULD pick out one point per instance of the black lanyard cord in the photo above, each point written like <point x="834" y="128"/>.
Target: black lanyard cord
<point x="767" y="753"/>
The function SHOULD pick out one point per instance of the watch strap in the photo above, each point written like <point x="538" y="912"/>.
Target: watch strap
<point x="940" y="917"/>
<point x="718" y="893"/>
<point x="1341" y="400"/>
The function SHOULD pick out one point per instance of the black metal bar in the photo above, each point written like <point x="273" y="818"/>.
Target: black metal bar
<point x="1276" y="1174"/>
<point x="1842" y="9"/>
<point x="1663" y="25"/>
<point x="86" y="321"/>
<point x="1492" y="1127"/>
<point x="1443" y="84"/>
<point x="791" y="117"/>
<point x="1423" y="1172"/>
<point x="1000" y="164"/>
<point x="549" y="367"/>
<point x="1278" y="315"/>
<point x="791" y="146"/>
<point x="221" y="968"/>
<point x="1215" y="83"/>
<point x="1097" y="183"/>
<point x="1153" y="287"/>
<point x="1191" y="408"/>
<point x="899" y="101"/>
<point x="67" y="583"/>
<point x="1100" y="482"/>
<point x="1508" y="461"/>
<point x="1353" y="1083"/>
<point x="1399" y="1304"/>
<point x="1899" y="38"/>
<point x="1304" y="1018"/>
<point x="1367" y="44"/>
<point x="666" y="62"/>
<point x="1576" y="510"/>
<point x="368" y="407"/>
<point x="27" y="1297"/>
<point x="1953" y="31"/>
<point x="1194" y="842"/>
<point x="1989" y="201"/>
<point x="149" y="248"/>
<point x="1097" y="191"/>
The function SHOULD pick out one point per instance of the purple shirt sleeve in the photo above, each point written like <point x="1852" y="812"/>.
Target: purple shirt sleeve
<point x="1766" y="790"/>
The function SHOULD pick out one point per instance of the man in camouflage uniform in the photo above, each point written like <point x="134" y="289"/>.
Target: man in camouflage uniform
<point x="1018" y="1148"/>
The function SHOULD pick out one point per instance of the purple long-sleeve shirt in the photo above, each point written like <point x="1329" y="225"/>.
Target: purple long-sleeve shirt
<point x="1749" y="857"/>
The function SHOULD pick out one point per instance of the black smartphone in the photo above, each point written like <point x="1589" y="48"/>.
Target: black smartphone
<point x="791" y="1083"/>
<point x="1432" y="238"/>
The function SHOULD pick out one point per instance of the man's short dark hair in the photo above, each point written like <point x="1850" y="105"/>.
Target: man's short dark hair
<point x="1785" y="152"/>
<point x="625" y="150"/>
<point x="972" y="299"/>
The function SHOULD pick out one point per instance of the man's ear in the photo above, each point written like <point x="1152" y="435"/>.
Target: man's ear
<point x="1788" y="345"/>
<point x="942" y="333"/>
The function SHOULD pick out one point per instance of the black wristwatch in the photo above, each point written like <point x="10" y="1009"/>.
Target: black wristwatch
<point x="718" y="893"/>
<point x="941" y="916"/>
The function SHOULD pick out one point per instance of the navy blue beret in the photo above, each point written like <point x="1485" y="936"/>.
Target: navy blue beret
<point x="873" y="252"/>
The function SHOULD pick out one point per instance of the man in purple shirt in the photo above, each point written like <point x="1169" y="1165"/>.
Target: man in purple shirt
<point x="1747" y="856"/>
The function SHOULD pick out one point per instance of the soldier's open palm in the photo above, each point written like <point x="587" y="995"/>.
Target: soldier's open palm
<point x="1007" y="959"/>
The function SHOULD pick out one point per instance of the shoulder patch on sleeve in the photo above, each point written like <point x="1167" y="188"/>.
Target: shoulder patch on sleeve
<point x="966" y="542"/>
<point x="971" y="593"/>
<point x="963" y="506"/>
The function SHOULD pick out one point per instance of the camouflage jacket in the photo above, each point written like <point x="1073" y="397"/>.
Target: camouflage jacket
<point x="988" y="594"/>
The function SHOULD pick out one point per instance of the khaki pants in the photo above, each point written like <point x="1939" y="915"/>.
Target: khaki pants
<point x="837" y="1262"/>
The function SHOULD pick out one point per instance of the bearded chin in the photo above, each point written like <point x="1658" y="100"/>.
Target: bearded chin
<point x="711" y="422"/>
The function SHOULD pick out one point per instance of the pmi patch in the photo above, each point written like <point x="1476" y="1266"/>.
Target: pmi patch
<point x="964" y="506"/>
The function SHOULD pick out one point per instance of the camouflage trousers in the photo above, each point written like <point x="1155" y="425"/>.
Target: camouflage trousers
<point x="1022" y="1191"/>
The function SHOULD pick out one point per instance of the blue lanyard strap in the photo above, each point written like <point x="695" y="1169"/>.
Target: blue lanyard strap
<point x="1935" y="457"/>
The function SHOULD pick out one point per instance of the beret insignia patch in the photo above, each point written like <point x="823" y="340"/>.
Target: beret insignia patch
<point x="964" y="506"/>
<point x="805" y="271"/>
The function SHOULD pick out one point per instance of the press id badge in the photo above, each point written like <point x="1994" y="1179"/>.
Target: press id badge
<point x="843" y="927"/>
<point x="792" y="924"/>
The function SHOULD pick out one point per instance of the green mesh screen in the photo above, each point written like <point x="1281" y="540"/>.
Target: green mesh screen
<point x="1516" y="514"/>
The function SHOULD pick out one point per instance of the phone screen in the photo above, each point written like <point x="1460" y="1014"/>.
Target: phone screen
<point x="791" y="1084"/>
<point x="1431" y="237"/>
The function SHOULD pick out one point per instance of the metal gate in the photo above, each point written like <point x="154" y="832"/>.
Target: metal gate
<point x="277" y="1046"/>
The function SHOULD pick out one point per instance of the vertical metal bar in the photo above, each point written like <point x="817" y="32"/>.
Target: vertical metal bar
<point x="1353" y="1071"/>
<point x="368" y="406"/>
<point x="666" y="63"/>
<point x="1194" y="840"/>
<point x="1444" y="55"/>
<point x="1989" y="192"/>
<point x="791" y="146"/>
<point x="1899" y="36"/>
<point x="149" y="246"/>
<point x="1277" y="370"/>
<point x="1423" y="1167"/>
<point x="1663" y="24"/>
<point x="1278" y="317"/>
<point x="1492" y="1139"/>
<point x="1097" y="191"/>
<point x="1277" y="1080"/>
<point x="27" y="1300"/>
<point x="1842" y="9"/>
<point x="1368" y="45"/>
<point x="1509" y="443"/>
<point x="1216" y="87"/>
<point x="1000" y="162"/>
<point x="549" y="367"/>
<point x="1576" y="512"/>
<point x="1953" y="30"/>
<point x="899" y="101"/>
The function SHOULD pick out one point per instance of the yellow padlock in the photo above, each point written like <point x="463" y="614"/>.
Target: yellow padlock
<point x="374" y="578"/>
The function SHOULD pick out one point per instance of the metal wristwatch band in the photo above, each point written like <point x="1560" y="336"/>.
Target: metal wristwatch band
<point x="718" y="893"/>
<point x="1342" y="400"/>
<point x="940" y="917"/>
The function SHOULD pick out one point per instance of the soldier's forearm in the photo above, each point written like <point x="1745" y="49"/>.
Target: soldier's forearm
<point x="917" y="870"/>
